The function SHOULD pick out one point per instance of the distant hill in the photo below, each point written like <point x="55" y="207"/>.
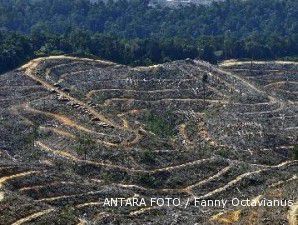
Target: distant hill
<point x="174" y="2"/>
<point x="131" y="32"/>
<point x="182" y="2"/>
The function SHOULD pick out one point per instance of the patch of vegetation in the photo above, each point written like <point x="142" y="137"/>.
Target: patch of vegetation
<point x="147" y="157"/>
<point x="192" y="128"/>
<point x="161" y="125"/>
<point x="35" y="155"/>
<point x="67" y="216"/>
<point x="32" y="136"/>
<point x="149" y="180"/>
<point x="78" y="94"/>
<point x="226" y="153"/>
<point x="249" y="98"/>
<point x="85" y="145"/>
<point x="296" y="152"/>
<point x="211" y="112"/>
<point x="155" y="143"/>
<point x="99" y="97"/>
<point x="177" y="181"/>
<point x="113" y="176"/>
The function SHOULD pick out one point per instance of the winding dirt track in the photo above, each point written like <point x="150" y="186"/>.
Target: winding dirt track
<point x="293" y="214"/>
<point x="32" y="217"/>
<point x="228" y="63"/>
<point x="243" y="176"/>
<point x="71" y="157"/>
<point x="5" y="179"/>
<point x="30" y="68"/>
<point x="30" y="71"/>
<point x="11" y="177"/>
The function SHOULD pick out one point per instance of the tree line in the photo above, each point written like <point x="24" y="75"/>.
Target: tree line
<point x="133" y="33"/>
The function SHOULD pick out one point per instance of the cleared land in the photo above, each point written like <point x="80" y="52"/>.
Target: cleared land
<point x="75" y="131"/>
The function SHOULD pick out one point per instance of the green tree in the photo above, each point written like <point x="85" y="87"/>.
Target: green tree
<point x="85" y="144"/>
<point x="296" y="152"/>
<point x="33" y="135"/>
<point x="204" y="82"/>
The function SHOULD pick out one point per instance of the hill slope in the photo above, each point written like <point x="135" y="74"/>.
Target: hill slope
<point x="76" y="131"/>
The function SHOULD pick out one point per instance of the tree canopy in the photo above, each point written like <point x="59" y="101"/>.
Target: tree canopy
<point x="131" y="32"/>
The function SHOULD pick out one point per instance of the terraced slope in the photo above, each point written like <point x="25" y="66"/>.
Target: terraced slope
<point x="278" y="77"/>
<point x="76" y="131"/>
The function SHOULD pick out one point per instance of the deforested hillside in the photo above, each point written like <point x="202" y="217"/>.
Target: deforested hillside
<point x="276" y="77"/>
<point x="75" y="131"/>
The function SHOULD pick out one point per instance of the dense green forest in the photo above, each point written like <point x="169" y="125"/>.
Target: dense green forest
<point x="131" y="32"/>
